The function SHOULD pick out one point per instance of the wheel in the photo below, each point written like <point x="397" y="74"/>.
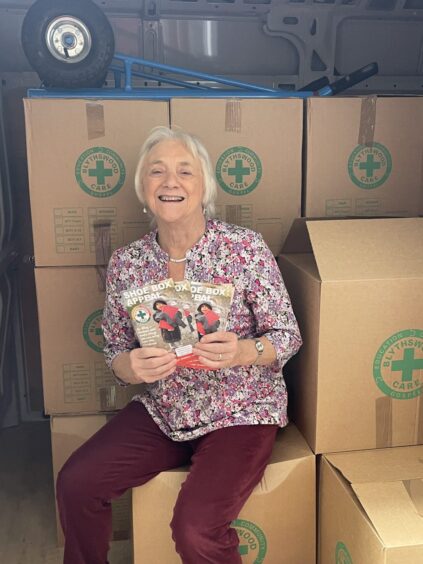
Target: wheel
<point x="69" y="43"/>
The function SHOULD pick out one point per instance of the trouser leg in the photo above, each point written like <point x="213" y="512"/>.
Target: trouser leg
<point x="126" y="452"/>
<point x="226" y="466"/>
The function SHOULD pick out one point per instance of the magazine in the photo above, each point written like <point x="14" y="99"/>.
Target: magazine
<point x="175" y="315"/>
<point x="211" y="305"/>
<point x="158" y="319"/>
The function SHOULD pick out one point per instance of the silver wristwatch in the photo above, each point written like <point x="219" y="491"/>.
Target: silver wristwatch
<point x="259" y="348"/>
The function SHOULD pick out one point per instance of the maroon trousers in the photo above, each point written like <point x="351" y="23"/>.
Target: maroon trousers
<point x="130" y="450"/>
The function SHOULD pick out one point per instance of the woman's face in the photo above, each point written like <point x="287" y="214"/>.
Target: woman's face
<point x="204" y="308"/>
<point x="173" y="183"/>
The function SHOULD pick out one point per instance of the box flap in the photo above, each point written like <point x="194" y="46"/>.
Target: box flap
<point x="361" y="249"/>
<point x="394" y="508"/>
<point x="380" y="465"/>
<point x="389" y="485"/>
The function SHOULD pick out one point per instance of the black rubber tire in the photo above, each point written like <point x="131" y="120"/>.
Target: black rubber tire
<point x="92" y="70"/>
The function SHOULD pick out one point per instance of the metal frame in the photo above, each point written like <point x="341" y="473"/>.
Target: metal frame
<point x="204" y="85"/>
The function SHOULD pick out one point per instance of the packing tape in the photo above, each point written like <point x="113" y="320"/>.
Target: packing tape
<point x="103" y="250"/>
<point x="95" y="120"/>
<point x="233" y="118"/>
<point x="107" y="398"/>
<point x="415" y="491"/>
<point x="366" y="132"/>
<point x="383" y="422"/>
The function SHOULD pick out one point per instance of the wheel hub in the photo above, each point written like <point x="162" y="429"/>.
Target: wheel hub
<point x="68" y="39"/>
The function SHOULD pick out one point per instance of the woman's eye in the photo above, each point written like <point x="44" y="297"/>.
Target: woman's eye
<point x="186" y="172"/>
<point x="155" y="171"/>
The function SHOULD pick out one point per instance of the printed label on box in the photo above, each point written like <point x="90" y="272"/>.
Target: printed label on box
<point x="238" y="171"/>
<point x="370" y="166"/>
<point x="252" y="541"/>
<point x="398" y="365"/>
<point x="100" y="172"/>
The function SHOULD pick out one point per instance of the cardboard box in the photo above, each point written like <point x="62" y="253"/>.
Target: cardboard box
<point x="371" y="507"/>
<point x="357" y="287"/>
<point x="82" y="156"/>
<point x="363" y="157"/>
<point x="276" y="526"/>
<point x="75" y="376"/>
<point x="255" y="147"/>
<point x="67" y="435"/>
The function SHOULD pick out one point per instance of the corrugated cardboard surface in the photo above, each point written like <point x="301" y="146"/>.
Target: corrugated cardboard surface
<point x="276" y="525"/>
<point x="255" y="147"/>
<point x="380" y="495"/>
<point x="67" y="435"/>
<point x="82" y="156"/>
<point x="363" y="156"/>
<point x="356" y="383"/>
<point x="75" y="376"/>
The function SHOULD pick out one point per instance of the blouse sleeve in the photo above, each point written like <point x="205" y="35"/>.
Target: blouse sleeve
<point x="269" y="300"/>
<point x="118" y="333"/>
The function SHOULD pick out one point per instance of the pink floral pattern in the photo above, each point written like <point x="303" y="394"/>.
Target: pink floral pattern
<point x="192" y="402"/>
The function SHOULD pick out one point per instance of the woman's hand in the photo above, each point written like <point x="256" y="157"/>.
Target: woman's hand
<point x="218" y="350"/>
<point x="146" y="364"/>
<point x="149" y="364"/>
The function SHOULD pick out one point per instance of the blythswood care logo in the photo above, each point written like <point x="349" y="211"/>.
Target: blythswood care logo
<point x="369" y="166"/>
<point x="398" y="364"/>
<point x="100" y="172"/>
<point x="342" y="556"/>
<point x="238" y="171"/>
<point x="252" y="542"/>
<point x="92" y="331"/>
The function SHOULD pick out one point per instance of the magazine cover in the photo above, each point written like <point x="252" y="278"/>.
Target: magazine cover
<point x="211" y="306"/>
<point x="158" y="318"/>
<point x="175" y="315"/>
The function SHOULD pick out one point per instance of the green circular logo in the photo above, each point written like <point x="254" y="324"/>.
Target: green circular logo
<point x="342" y="555"/>
<point x="92" y="331"/>
<point x="252" y="542"/>
<point x="141" y="314"/>
<point x="398" y="365"/>
<point x="100" y="172"/>
<point x="238" y="171"/>
<point x="369" y="166"/>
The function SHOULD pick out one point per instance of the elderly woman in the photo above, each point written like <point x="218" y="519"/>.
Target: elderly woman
<point x="221" y="420"/>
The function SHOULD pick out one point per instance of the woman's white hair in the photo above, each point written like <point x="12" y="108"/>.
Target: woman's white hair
<point x="198" y="151"/>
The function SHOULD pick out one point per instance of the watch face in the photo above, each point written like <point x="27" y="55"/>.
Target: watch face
<point x="259" y="347"/>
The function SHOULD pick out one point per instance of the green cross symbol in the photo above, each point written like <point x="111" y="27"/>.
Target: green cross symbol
<point x="100" y="172"/>
<point x="407" y="365"/>
<point x="369" y="166"/>
<point x="238" y="171"/>
<point x="142" y="314"/>
<point x="243" y="549"/>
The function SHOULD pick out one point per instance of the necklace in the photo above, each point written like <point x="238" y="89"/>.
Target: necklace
<point x="177" y="260"/>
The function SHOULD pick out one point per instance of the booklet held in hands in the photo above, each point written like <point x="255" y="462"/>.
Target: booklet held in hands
<point x="175" y="315"/>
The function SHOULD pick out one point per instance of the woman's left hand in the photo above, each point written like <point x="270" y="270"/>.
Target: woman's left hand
<point x="218" y="350"/>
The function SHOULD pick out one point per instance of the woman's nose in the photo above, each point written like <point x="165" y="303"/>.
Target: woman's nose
<point x="171" y="179"/>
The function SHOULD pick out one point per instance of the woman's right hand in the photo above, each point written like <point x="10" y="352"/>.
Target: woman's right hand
<point x="150" y="364"/>
<point x="146" y="364"/>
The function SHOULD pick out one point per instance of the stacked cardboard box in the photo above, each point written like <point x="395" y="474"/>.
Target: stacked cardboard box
<point x="82" y="156"/>
<point x="371" y="507"/>
<point x="276" y="525"/>
<point x="357" y="289"/>
<point x="255" y="146"/>
<point x="67" y="435"/>
<point x="363" y="157"/>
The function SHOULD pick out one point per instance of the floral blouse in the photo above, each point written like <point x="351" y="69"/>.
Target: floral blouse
<point x="191" y="402"/>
